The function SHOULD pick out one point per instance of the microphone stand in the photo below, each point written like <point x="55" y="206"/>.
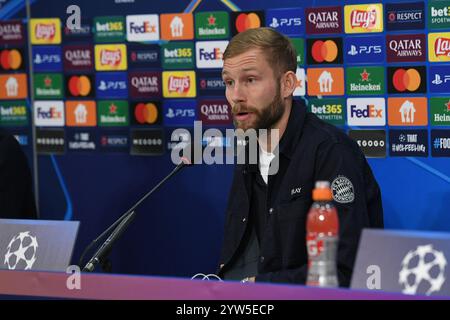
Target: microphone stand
<point x="119" y="227"/>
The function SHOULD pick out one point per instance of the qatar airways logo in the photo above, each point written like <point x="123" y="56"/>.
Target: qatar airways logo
<point x="45" y="31"/>
<point x="442" y="47"/>
<point x="363" y="19"/>
<point x="179" y="84"/>
<point x="110" y="57"/>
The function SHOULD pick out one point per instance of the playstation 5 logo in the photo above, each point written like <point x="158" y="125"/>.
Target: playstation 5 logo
<point x="353" y="51"/>
<point x="364" y="50"/>
<point x="438" y="79"/>
<point x="274" y="23"/>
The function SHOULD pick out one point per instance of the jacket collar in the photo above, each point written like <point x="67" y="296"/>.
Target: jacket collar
<point x="290" y="136"/>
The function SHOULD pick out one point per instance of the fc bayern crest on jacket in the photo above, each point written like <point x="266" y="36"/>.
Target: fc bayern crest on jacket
<point x="343" y="191"/>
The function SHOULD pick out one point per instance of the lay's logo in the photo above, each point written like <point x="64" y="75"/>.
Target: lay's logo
<point x="179" y="84"/>
<point x="439" y="47"/>
<point x="45" y="31"/>
<point x="363" y="18"/>
<point x="110" y="57"/>
<point x="442" y="47"/>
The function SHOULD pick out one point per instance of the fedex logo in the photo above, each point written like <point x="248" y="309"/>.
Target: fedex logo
<point x="370" y="111"/>
<point x="49" y="113"/>
<point x="209" y="53"/>
<point x="366" y="112"/>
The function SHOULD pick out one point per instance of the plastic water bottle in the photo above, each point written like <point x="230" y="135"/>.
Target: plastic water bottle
<point x="322" y="236"/>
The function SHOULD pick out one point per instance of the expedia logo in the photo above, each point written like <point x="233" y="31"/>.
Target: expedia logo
<point x="179" y="84"/>
<point x="363" y="19"/>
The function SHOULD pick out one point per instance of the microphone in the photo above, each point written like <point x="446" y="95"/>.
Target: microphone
<point x="122" y="223"/>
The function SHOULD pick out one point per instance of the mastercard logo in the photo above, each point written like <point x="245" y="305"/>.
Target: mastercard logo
<point x="324" y="51"/>
<point x="146" y="113"/>
<point x="79" y="86"/>
<point x="10" y="59"/>
<point x="406" y="80"/>
<point x="246" y="21"/>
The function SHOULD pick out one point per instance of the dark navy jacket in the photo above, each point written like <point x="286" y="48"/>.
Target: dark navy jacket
<point x="16" y="184"/>
<point x="309" y="150"/>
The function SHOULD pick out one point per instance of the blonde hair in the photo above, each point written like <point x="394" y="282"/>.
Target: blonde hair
<point x="278" y="49"/>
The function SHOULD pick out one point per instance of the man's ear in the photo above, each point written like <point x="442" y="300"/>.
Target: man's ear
<point x="288" y="84"/>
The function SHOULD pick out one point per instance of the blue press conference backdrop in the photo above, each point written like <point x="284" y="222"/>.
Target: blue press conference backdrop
<point x="178" y="231"/>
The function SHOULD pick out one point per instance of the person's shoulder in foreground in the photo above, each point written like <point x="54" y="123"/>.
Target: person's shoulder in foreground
<point x="16" y="192"/>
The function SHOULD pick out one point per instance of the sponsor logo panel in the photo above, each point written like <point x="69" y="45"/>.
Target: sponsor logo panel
<point x="325" y="81"/>
<point x="408" y="143"/>
<point x="179" y="84"/>
<point x="13" y="86"/>
<point x="363" y="18"/>
<point x="13" y="113"/>
<point x="45" y="31"/>
<point x="329" y="110"/>
<point x="440" y="143"/>
<point x="408" y="111"/>
<point x="405" y="16"/>
<point x="49" y="113"/>
<point x="371" y="142"/>
<point x="147" y="142"/>
<point x="50" y="141"/>
<point x="364" y="49"/>
<point x="290" y="22"/>
<point x="212" y="25"/>
<point x="323" y="20"/>
<point x="366" y="112"/>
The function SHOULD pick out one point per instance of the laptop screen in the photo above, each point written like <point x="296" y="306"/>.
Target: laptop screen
<point x="410" y="262"/>
<point x="36" y="245"/>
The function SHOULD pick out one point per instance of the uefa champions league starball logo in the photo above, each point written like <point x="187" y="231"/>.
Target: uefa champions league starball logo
<point x="423" y="271"/>
<point x="21" y="252"/>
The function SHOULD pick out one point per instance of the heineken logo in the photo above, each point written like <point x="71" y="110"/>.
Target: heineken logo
<point x="211" y="25"/>
<point x="365" y="80"/>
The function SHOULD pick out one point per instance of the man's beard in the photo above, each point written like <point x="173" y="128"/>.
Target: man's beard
<point x="265" y="118"/>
